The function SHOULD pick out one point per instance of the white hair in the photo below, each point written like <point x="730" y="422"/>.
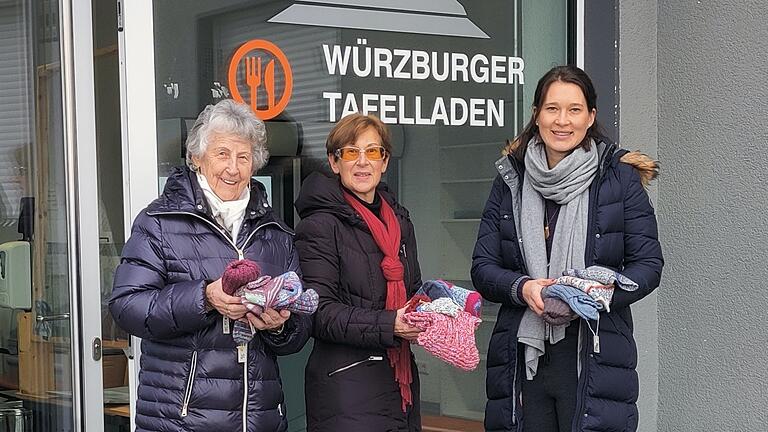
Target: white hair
<point x="231" y="118"/>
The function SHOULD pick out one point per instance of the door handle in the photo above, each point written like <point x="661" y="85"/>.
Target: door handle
<point x="59" y="317"/>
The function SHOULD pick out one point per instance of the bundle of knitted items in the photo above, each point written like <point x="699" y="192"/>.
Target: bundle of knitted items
<point x="284" y="292"/>
<point x="604" y="276"/>
<point x="281" y="292"/>
<point x="451" y="339"/>
<point x="448" y="316"/>
<point x="578" y="301"/>
<point x="470" y="301"/>
<point x="586" y="292"/>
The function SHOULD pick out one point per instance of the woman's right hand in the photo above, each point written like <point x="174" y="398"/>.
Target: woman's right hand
<point x="226" y="304"/>
<point x="403" y="329"/>
<point x="532" y="294"/>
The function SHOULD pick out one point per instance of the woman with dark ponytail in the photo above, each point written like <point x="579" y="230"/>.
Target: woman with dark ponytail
<point x="566" y="201"/>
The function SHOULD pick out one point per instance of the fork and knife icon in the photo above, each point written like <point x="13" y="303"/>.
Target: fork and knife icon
<point x="253" y="77"/>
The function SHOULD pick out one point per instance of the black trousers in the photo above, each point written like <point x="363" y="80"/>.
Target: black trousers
<point x="549" y="400"/>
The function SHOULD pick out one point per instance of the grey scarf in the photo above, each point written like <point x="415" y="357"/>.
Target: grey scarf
<point x="568" y="185"/>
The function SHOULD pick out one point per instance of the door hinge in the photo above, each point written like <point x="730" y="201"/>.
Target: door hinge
<point x="119" y="15"/>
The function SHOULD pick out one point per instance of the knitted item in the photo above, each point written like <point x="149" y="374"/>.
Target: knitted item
<point x="557" y="312"/>
<point x="242" y="279"/>
<point x="281" y="292"/>
<point x="242" y="332"/>
<point x="416" y="301"/>
<point x="449" y="339"/>
<point x="470" y="301"/>
<point x="237" y="274"/>
<point x="443" y="305"/>
<point x="603" y="275"/>
<point x="579" y="301"/>
<point x="603" y="294"/>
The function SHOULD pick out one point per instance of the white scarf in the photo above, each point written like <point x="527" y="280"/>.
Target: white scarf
<point x="229" y="214"/>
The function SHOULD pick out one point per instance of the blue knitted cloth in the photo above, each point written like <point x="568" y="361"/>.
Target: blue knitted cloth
<point x="579" y="301"/>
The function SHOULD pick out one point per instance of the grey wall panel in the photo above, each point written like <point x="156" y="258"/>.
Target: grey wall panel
<point x="638" y="131"/>
<point x="712" y="64"/>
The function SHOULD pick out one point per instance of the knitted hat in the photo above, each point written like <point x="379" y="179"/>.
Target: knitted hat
<point x="239" y="273"/>
<point x="557" y="312"/>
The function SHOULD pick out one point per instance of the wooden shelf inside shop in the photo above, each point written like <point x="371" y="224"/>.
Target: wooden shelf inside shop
<point x="468" y="181"/>
<point x="449" y="424"/>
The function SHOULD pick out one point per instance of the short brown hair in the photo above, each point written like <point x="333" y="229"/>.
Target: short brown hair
<point x="349" y="128"/>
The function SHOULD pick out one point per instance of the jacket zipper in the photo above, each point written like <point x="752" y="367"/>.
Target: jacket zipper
<point x="584" y="354"/>
<point x="515" y="393"/>
<point x="190" y="381"/>
<point x="582" y="388"/>
<point x="407" y="269"/>
<point x="590" y="246"/>
<point x="357" y="363"/>
<point x="245" y="393"/>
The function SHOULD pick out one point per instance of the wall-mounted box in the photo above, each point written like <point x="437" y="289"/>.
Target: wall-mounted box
<point x="15" y="275"/>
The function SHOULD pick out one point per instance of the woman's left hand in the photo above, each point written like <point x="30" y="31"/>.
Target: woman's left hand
<point x="270" y="319"/>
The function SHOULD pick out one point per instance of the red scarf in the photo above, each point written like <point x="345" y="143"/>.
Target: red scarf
<point x="387" y="237"/>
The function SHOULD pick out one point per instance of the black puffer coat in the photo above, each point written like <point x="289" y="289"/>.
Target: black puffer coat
<point x="622" y="235"/>
<point x="350" y="385"/>
<point x="190" y="379"/>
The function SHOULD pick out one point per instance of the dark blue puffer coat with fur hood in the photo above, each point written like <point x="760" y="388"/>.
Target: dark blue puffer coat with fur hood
<point x="622" y="235"/>
<point x="190" y="378"/>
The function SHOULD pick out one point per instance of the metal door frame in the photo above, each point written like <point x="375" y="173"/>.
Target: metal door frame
<point x="79" y="117"/>
<point x="139" y="131"/>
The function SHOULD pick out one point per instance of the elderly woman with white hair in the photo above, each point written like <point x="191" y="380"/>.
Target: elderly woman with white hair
<point x="168" y="290"/>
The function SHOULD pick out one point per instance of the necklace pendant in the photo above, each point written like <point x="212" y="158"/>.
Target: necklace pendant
<point x="546" y="232"/>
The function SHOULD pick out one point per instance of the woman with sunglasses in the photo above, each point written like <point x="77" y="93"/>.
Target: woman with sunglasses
<point x="357" y="249"/>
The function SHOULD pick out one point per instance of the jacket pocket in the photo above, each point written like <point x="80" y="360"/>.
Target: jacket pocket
<point x="510" y="243"/>
<point x="190" y="383"/>
<point x="373" y="358"/>
<point x="407" y="269"/>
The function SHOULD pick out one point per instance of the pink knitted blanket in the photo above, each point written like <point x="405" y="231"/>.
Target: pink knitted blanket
<point x="447" y="338"/>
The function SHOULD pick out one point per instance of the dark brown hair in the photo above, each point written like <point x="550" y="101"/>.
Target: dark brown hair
<point x="349" y="128"/>
<point x="567" y="74"/>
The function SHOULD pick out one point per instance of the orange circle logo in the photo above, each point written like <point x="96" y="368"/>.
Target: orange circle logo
<point x="256" y="59"/>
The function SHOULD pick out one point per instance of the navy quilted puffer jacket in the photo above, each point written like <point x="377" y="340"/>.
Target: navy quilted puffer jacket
<point x="622" y="235"/>
<point x="190" y="378"/>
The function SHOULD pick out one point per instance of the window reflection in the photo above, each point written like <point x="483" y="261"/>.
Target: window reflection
<point x="441" y="173"/>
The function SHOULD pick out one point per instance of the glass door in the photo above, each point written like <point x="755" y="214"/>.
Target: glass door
<point x="50" y="353"/>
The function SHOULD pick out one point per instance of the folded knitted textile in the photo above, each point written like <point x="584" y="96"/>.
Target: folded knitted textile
<point x="469" y="300"/>
<point x="443" y="305"/>
<point x="557" y="312"/>
<point x="281" y="292"/>
<point x="416" y="301"/>
<point x="579" y="301"/>
<point x="603" y="294"/>
<point x="256" y="292"/>
<point x="447" y="338"/>
<point x="603" y="275"/>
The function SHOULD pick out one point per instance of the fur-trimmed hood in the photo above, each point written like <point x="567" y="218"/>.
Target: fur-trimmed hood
<point x="645" y="165"/>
